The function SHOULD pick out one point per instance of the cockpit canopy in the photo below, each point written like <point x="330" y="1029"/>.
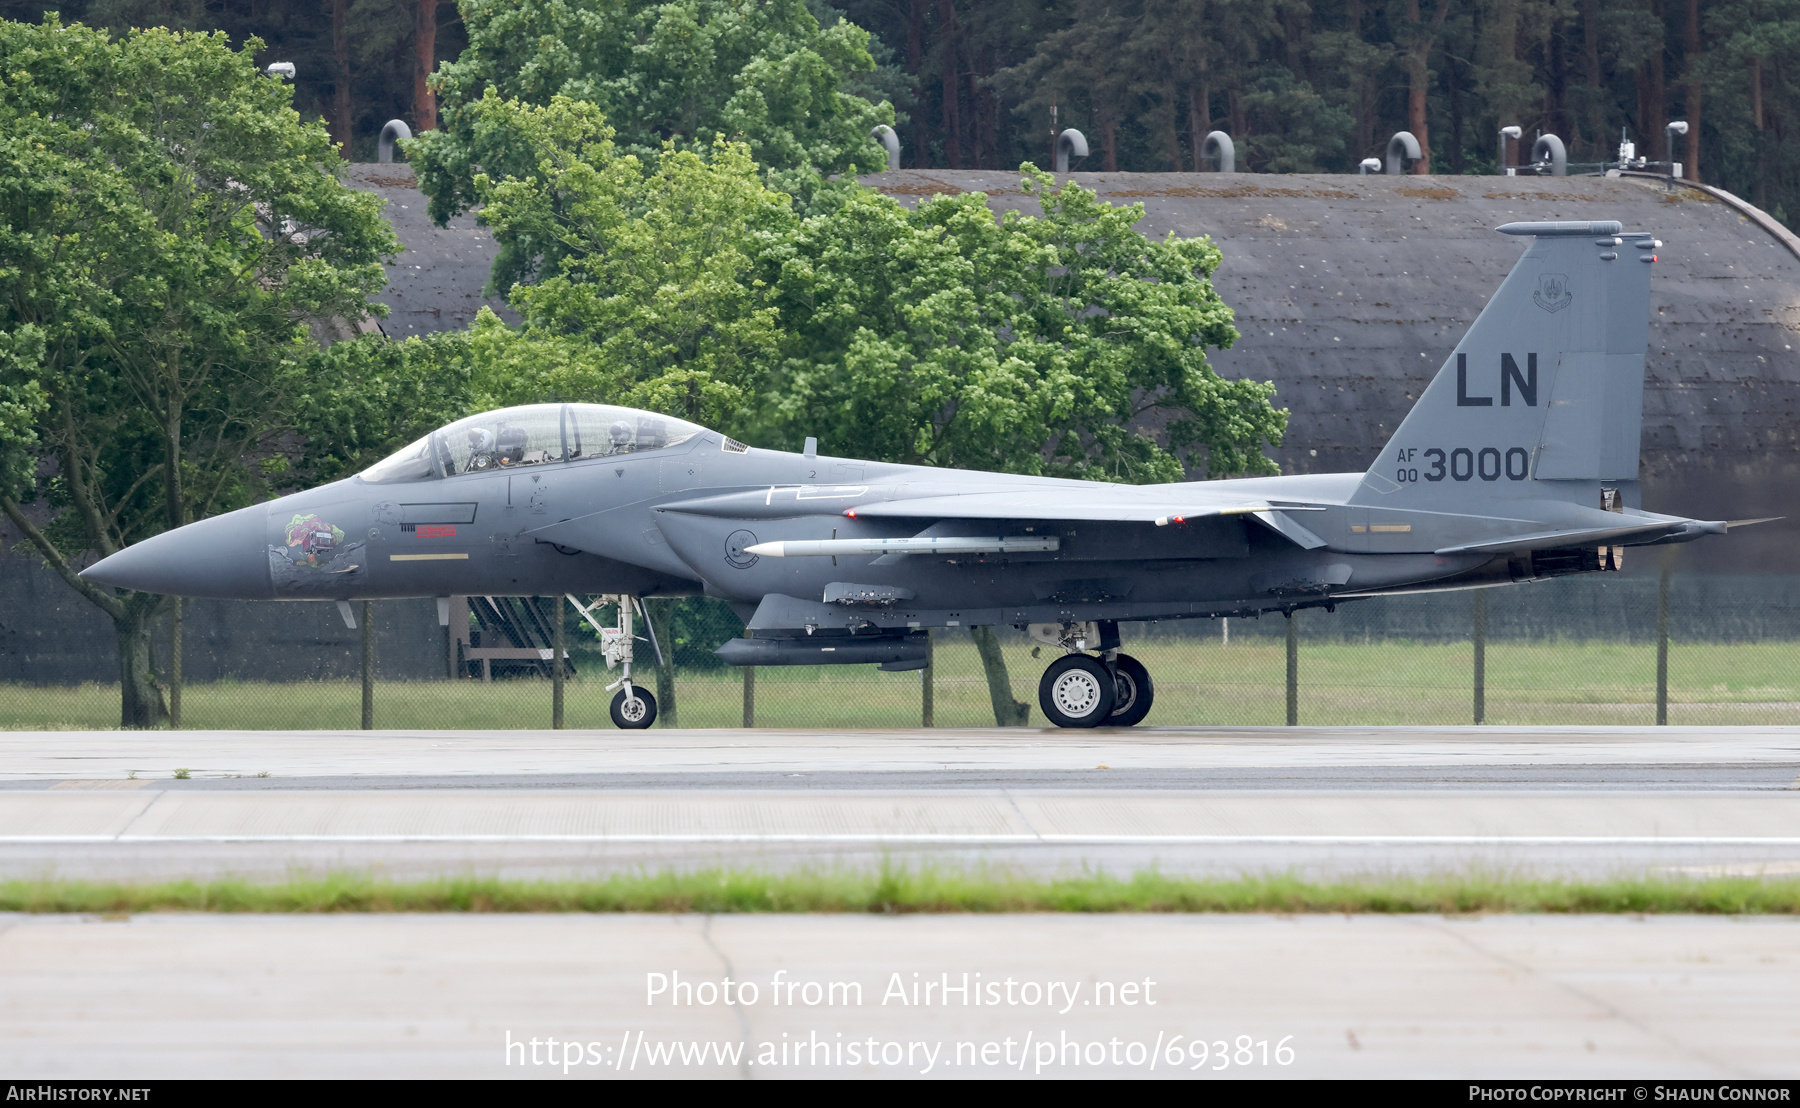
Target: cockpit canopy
<point x="532" y="435"/>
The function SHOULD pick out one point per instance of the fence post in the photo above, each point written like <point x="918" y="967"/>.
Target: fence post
<point x="1662" y="637"/>
<point x="175" y="664"/>
<point x="1479" y="634"/>
<point x="368" y="665"/>
<point x="557" y="663"/>
<point x="749" y="673"/>
<point x="1293" y="671"/>
<point x="664" y="630"/>
<point x="926" y="685"/>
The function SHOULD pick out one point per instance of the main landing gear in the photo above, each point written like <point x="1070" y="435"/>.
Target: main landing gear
<point x="1080" y="690"/>
<point x="632" y="708"/>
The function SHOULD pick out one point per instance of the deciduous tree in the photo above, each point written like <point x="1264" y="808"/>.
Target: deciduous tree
<point x="171" y="231"/>
<point x="682" y="75"/>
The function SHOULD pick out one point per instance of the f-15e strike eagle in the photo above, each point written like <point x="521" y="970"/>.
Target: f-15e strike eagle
<point x="1518" y="463"/>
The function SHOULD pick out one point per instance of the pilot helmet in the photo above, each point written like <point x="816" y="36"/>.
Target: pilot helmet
<point x="621" y="433"/>
<point x="481" y="440"/>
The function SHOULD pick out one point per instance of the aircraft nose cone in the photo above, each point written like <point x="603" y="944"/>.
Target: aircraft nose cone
<point x="222" y="558"/>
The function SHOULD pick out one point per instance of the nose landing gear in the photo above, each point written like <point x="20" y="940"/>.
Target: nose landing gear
<point x="1080" y="690"/>
<point x="632" y="708"/>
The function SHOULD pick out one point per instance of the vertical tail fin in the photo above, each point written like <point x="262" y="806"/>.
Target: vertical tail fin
<point x="1544" y="395"/>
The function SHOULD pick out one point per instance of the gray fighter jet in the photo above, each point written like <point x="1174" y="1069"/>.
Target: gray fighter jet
<point x="1518" y="463"/>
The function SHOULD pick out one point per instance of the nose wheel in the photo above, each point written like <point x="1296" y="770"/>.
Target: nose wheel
<point x="1079" y="690"/>
<point x="633" y="708"/>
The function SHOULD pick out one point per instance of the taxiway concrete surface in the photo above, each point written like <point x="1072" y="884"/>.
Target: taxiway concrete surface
<point x="438" y="996"/>
<point x="205" y="996"/>
<point x="1319" y="801"/>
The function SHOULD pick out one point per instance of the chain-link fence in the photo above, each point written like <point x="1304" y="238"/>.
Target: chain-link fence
<point x="1614" y="650"/>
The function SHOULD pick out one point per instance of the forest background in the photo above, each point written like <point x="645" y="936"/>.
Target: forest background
<point x="1301" y="85"/>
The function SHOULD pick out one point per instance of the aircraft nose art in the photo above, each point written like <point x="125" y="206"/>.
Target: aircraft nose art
<point x="221" y="558"/>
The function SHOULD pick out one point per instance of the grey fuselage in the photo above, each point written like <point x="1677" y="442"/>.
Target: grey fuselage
<point x="676" y="522"/>
<point x="1518" y="462"/>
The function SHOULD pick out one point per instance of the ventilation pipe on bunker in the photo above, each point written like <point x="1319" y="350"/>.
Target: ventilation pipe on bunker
<point x="889" y="141"/>
<point x="1403" y="147"/>
<point x="1500" y="165"/>
<point x="395" y="129"/>
<point x="1549" y="153"/>
<point x="1676" y="127"/>
<point x="1069" y="143"/>
<point x="1218" y="145"/>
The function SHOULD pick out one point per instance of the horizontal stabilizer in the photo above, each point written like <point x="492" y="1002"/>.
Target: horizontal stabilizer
<point x="1580" y="536"/>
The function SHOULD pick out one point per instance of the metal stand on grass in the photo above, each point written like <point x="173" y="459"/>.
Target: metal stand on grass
<point x="1662" y="637"/>
<point x="559" y="662"/>
<point x="1478" y="633"/>
<point x="175" y="664"/>
<point x="368" y="665"/>
<point x="1293" y="671"/>
<point x="927" y="687"/>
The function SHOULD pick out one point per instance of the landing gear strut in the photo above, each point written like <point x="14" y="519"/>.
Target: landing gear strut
<point x="632" y="708"/>
<point x="1080" y="690"/>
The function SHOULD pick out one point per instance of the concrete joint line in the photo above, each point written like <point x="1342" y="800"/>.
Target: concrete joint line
<point x="1020" y="812"/>
<point x="136" y="817"/>
<point x="737" y="1009"/>
<point x="1582" y="995"/>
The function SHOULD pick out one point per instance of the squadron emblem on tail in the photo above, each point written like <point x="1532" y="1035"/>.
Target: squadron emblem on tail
<point x="1553" y="293"/>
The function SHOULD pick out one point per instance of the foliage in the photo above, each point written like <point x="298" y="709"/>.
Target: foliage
<point x="634" y="280"/>
<point x="901" y="889"/>
<point x="363" y="68"/>
<point x="1753" y="92"/>
<point x="370" y="395"/>
<point x="22" y="403"/>
<point x="683" y="75"/>
<point x="1052" y="344"/>
<point x="938" y="336"/>
<point x="1146" y="79"/>
<point x="1295" y="130"/>
<point x="172" y="229"/>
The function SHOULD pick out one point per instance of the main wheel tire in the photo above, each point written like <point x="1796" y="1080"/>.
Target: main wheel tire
<point x="1076" y="691"/>
<point x="633" y="715"/>
<point x="1133" y="693"/>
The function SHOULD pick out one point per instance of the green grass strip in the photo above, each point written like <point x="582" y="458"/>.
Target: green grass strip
<point x="897" y="890"/>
